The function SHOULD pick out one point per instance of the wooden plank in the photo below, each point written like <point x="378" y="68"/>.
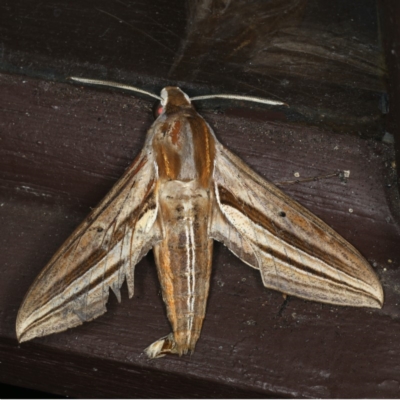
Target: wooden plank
<point x="62" y="148"/>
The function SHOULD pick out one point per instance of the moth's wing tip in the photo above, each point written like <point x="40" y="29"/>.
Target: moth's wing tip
<point x="22" y="338"/>
<point x="23" y="334"/>
<point x="20" y="335"/>
<point x="20" y="328"/>
<point x="378" y="306"/>
<point x="379" y="298"/>
<point x="30" y="326"/>
<point x="374" y="303"/>
<point x="375" y="296"/>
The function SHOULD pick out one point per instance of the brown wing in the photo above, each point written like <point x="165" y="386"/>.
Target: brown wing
<point x="294" y="250"/>
<point x="100" y="254"/>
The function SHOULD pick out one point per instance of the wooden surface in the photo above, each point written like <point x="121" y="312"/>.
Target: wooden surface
<point x="62" y="147"/>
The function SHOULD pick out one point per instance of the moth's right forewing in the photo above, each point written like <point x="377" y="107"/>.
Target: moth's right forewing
<point x="294" y="250"/>
<point x="99" y="255"/>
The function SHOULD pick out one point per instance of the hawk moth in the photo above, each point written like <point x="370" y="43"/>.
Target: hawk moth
<point x="183" y="191"/>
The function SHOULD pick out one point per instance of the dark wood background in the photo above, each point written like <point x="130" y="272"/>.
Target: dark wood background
<point x="63" y="146"/>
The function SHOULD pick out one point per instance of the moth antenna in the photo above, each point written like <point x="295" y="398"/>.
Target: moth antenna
<point x="238" y="97"/>
<point x="113" y="84"/>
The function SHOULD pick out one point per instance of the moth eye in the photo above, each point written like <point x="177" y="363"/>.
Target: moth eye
<point x="157" y="110"/>
<point x="282" y="214"/>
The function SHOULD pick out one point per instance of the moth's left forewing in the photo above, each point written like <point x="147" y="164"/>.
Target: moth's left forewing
<point x="295" y="251"/>
<point x="99" y="255"/>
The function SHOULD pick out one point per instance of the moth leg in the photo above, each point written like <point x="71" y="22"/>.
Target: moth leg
<point x="161" y="347"/>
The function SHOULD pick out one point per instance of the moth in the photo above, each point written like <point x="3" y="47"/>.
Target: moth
<point x="183" y="191"/>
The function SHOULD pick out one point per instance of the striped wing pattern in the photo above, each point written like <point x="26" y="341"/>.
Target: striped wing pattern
<point x="99" y="255"/>
<point x="296" y="252"/>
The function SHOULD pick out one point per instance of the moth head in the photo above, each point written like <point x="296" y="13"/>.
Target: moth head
<point x="172" y="100"/>
<point x="174" y="95"/>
